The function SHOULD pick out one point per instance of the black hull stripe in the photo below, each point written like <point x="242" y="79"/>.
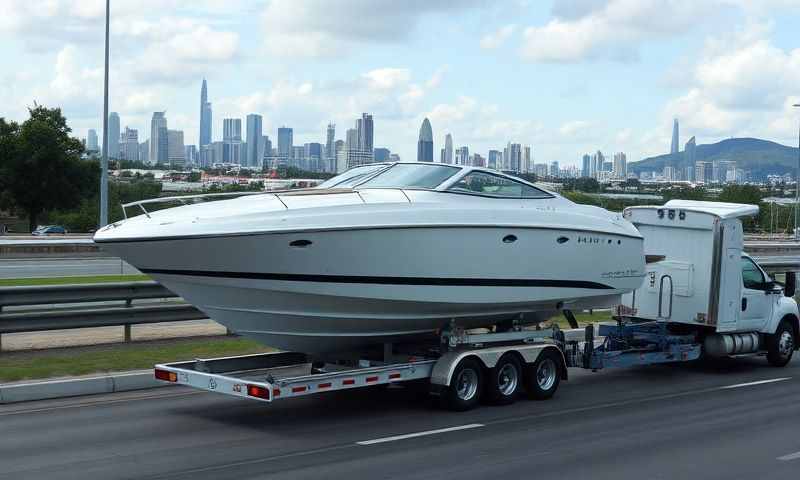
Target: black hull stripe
<point x="434" y="281"/>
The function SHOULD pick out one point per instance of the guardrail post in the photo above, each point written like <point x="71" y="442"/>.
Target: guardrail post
<point x="1" y="342"/>
<point x="127" y="333"/>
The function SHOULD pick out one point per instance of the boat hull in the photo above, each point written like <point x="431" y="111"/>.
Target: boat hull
<point x="323" y="291"/>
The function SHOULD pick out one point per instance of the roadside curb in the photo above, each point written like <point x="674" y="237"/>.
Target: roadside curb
<point x="72" y="387"/>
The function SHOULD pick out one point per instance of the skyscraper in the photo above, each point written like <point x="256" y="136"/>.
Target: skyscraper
<point x="620" y="167"/>
<point x="447" y="152"/>
<point x="462" y="156"/>
<point x="91" y="141"/>
<point x="689" y="158"/>
<point x="112" y="137"/>
<point x="254" y="141"/>
<point x="495" y="159"/>
<point x="130" y="145"/>
<point x="675" y="138"/>
<point x="330" y="148"/>
<point x="381" y="154"/>
<point x="313" y="156"/>
<point x="586" y="171"/>
<point x="159" y="143"/>
<point x="425" y="143"/>
<point x="366" y="133"/>
<point x="205" y="117"/>
<point x="232" y="141"/>
<point x="285" y="143"/>
<point x="527" y="164"/>
<point x="513" y="162"/>
<point x="176" y="152"/>
<point x="355" y="155"/>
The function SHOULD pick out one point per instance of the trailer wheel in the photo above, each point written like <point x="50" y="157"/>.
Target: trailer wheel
<point x="502" y="384"/>
<point x="464" y="391"/>
<point x="780" y="345"/>
<point x="543" y="376"/>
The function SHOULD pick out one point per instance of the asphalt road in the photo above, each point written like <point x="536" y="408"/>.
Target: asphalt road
<point x="664" y="422"/>
<point x="63" y="267"/>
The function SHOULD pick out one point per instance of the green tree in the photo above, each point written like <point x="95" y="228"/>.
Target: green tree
<point x="42" y="167"/>
<point x="741" y="194"/>
<point x="684" y="193"/>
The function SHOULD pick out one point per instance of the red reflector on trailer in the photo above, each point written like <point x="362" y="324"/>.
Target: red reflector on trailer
<point x="298" y="389"/>
<point x="393" y="376"/>
<point x="348" y="381"/>
<point x="325" y="385"/>
<point x="258" y="391"/>
<point x="166" y="376"/>
<point x="372" y="379"/>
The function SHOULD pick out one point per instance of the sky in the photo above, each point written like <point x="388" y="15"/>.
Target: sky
<point x="566" y="77"/>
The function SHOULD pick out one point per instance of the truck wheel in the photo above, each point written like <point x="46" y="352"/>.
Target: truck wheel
<point x="464" y="391"/>
<point x="502" y="384"/>
<point x="542" y="378"/>
<point x="780" y="345"/>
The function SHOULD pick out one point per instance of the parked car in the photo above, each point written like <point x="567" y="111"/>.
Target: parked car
<point x="50" y="230"/>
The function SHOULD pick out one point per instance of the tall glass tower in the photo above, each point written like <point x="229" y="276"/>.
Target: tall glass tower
<point x="205" y="116"/>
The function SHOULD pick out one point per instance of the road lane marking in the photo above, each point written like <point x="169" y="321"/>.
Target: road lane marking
<point x="420" y="434"/>
<point x="789" y="457"/>
<point x="760" y="382"/>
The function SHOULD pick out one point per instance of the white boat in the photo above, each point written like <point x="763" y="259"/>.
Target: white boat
<point x="381" y="253"/>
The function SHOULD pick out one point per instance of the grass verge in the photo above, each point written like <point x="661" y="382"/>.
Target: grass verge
<point x="583" y="318"/>
<point x="38" y="364"/>
<point x="60" y="362"/>
<point x="76" y="280"/>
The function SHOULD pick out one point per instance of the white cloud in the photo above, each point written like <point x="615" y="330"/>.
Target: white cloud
<point x="742" y="85"/>
<point x="316" y="28"/>
<point x="611" y="29"/>
<point x="387" y="78"/>
<point x="576" y="127"/>
<point x="498" y="38"/>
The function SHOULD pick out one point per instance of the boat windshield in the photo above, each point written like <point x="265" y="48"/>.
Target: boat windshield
<point x="352" y="176"/>
<point x="411" y="175"/>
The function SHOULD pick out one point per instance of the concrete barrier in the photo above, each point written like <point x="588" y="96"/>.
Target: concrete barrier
<point x="73" y="387"/>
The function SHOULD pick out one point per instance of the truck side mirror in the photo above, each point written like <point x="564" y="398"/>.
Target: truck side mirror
<point x="791" y="284"/>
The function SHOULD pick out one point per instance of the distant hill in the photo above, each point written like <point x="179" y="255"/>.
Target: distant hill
<point x="760" y="157"/>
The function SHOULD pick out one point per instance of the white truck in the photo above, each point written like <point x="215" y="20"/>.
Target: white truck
<point x="701" y="295"/>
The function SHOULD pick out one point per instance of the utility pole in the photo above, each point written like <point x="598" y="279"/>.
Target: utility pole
<point x="797" y="181"/>
<point x="104" y="163"/>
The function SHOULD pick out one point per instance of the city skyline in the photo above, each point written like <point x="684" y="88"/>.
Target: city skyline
<point x="280" y="60"/>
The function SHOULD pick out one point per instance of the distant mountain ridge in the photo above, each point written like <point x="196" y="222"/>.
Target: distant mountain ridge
<point x="760" y="157"/>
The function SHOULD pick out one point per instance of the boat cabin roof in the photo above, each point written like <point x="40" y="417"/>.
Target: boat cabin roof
<point x="437" y="177"/>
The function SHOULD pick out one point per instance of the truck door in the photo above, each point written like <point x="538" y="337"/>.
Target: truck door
<point x="756" y="302"/>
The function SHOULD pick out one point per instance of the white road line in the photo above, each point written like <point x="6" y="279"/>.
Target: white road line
<point x="419" y="434"/>
<point x="789" y="457"/>
<point x="760" y="382"/>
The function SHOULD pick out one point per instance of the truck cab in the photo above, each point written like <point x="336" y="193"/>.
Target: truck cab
<point x="698" y="276"/>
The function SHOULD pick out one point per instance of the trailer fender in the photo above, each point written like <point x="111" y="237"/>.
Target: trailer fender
<point x="443" y="370"/>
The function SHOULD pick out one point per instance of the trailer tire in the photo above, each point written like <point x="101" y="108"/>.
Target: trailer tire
<point x="543" y="376"/>
<point x="466" y="386"/>
<point x="780" y="345"/>
<point x="504" y="380"/>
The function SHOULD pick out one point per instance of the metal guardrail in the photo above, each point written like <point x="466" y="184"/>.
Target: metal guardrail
<point x="773" y="257"/>
<point x="102" y="315"/>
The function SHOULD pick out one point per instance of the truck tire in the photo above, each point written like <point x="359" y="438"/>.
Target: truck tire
<point x="543" y="376"/>
<point x="780" y="345"/>
<point x="466" y="386"/>
<point x="503" y="381"/>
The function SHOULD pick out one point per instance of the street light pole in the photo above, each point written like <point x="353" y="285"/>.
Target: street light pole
<point x="104" y="163"/>
<point x="797" y="181"/>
